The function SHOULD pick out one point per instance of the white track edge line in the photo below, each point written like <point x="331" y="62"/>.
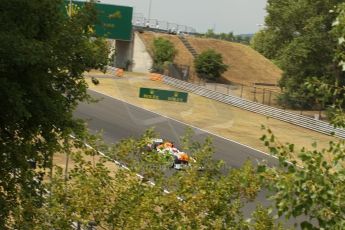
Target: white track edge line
<point x="181" y="122"/>
<point x="121" y="165"/>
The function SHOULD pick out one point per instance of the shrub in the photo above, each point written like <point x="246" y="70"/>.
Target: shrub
<point x="163" y="52"/>
<point x="209" y="65"/>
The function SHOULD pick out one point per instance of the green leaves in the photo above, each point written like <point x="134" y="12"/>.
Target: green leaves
<point x="163" y="52"/>
<point x="209" y="65"/>
<point x="43" y="57"/>
<point x="314" y="189"/>
<point x="298" y="36"/>
<point x="338" y="30"/>
<point x="117" y="199"/>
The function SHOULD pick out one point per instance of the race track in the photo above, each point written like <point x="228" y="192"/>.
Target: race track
<point x="119" y="120"/>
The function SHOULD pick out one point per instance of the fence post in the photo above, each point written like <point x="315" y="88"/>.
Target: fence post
<point x="254" y="94"/>
<point x="241" y="90"/>
<point x="263" y="96"/>
<point x="269" y="98"/>
<point x="320" y="113"/>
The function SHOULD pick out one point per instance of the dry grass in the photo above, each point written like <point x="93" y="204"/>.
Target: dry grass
<point x="246" y="65"/>
<point x="60" y="161"/>
<point x="183" y="56"/>
<point x="216" y="117"/>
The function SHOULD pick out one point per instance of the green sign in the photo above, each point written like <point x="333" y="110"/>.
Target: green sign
<point x="112" y="21"/>
<point x="160" y="94"/>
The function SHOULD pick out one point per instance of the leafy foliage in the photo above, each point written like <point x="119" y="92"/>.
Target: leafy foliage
<point x="265" y="43"/>
<point x="43" y="56"/>
<point x="227" y="36"/>
<point x="209" y="65"/>
<point x="298" y="37"/>
<point x="163" y="52"/>
<point x="331" y="96"/>
<point x="119" y="199"/>
<point x="311" y="185"/>
<point x="311" y="182"/>
<point x="339" y="32"/>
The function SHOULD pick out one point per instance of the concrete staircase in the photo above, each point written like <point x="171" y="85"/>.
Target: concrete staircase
<point x="188" y="46"/>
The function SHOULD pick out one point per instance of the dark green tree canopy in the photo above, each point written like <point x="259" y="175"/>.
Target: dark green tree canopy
<point x="298" y="38"/>
<point x="209" y="65"/>
<point x="43" y="56"/>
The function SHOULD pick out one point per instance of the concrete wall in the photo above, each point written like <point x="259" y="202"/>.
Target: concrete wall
<point x="124" y="54"/>
<point x="132" y="55"/>
<point x="142" y="61"/>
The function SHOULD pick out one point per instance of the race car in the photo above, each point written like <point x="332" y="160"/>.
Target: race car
<point x="181" y="159"/>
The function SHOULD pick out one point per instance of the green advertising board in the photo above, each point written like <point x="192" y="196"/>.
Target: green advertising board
<point x="160" y="94"/>
<point x="113" y="21"/>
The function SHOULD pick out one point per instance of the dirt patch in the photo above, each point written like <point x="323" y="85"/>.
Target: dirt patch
<point x="216" y="117"/>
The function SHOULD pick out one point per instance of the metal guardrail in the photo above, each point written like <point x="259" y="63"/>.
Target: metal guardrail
<point x="279" y="114"/>
<point x="111" y="69"/>
<point x="139" y="21"/>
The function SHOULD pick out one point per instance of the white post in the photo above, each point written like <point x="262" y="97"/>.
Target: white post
<point x="149" y="14"/>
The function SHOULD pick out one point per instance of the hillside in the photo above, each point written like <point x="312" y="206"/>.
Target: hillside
<point x="183" y="56"/>
<point x="246" y="65"/>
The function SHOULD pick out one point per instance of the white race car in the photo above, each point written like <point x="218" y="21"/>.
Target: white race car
<point x="181" y="159"/>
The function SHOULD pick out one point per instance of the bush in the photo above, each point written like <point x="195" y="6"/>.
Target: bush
<point x="209" y="65"/>
<point x="163" y="52"/>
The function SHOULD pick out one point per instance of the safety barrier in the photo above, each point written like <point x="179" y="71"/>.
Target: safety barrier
<point x="279" y="114"/>
<point x="140" y="22"/>
<point x="111" y="69"/>
<point x="118" y="72"/>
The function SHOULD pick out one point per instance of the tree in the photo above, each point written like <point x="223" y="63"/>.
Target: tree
<point x="297" y="36"/>
<point x="223" y="36"/>
<point x="210" y="34"/>
<point x="163" y="52"/>
<point x="264" y="42"/>
<point x="230" y="36"/>
<point x="311" y="185"/>
<point x="43" y="56"/>
<point x="310" y="182"/>
<point x="212" y="198"/>
<point x="209" y="65"/>
<point x="339" y="32"/>
<point x="245" y="39"/>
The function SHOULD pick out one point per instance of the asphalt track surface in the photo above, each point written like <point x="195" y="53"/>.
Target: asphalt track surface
<point x="119" y="120"/>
